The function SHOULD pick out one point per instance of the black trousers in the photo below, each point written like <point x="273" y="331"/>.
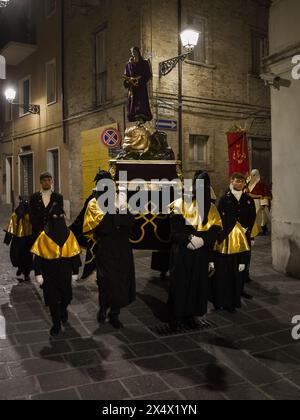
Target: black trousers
<point x="58" y="312"/>
<point x="103" y="300"/>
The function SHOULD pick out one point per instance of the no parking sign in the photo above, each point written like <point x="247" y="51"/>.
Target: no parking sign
<point x="111" y="138"/>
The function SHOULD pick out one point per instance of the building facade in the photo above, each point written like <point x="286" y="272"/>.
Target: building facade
<point x="31" y="144"/>
<point x="221" y="87"/>
<point x="283" y="63"/>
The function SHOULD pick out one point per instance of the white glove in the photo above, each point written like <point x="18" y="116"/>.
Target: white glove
<point x="121" y="200"/>
<point x="197" y="242"/>
<point x="190" y="247"/>
<point x="252" y="242"/>
<point x="242" y="267"/>
<point x="39" y="279"/>
<point x="75" y="278"/>
<point x="211" y="266"/>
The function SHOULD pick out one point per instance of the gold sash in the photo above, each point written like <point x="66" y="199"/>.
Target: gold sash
<point x="236" y="242"/>
<point x="93" y="216"/>
<point x="21" y="229"/>
<point x="190" y="213"/>
<point x="46" y="248"/>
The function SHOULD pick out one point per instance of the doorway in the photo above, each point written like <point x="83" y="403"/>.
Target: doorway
<point x="261" y="157"/>
<point x="9" y="179"/>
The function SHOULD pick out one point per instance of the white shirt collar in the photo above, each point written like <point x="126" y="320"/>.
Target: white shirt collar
<point x="237" y="194"/>
<point x="46" y="196"/>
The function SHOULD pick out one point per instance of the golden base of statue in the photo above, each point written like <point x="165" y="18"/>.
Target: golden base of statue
<point x="142" y="144"/>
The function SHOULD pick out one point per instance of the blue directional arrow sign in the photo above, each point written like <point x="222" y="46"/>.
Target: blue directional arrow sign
<point x="171" y="125"/>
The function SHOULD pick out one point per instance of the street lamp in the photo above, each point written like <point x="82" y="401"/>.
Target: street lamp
<point x="4" y="3"/>
<point x="10" y="95"/>
<point x="189" y="40"/>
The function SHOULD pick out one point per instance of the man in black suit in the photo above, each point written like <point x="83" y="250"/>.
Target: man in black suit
<point x="41" y="203"/>
<point x="238" y="214"/>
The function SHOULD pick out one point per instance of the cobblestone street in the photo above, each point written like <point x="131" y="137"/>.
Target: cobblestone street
<point x="248" y="355"/>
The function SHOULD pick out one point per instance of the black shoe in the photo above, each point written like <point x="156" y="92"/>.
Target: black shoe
<point x="55" y="330"/>
<point x="65" y="318"/>
<point x="190" y="322"/>
<point x="247" y="296"/>
<point x="230" y="310"/>
<point x="174" y="326"/>
<point x="115" y="322"/>
<point x="102" y="315"/>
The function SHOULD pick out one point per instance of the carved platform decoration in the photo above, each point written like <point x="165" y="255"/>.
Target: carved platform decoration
<point x="151" y="231"/>
<point x="142" y="144"/>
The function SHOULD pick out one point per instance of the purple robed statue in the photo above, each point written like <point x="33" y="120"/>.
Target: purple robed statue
<point x="137" y="75"/>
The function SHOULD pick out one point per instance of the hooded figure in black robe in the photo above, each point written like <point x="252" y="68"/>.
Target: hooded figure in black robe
<point x="194" y="236"/>
<point x="238" y="214"/>
<point x="19" y="237"/>
<point x="115" y="263"/>
<point x="87" y="241"/>
<point x="57" y="262"/>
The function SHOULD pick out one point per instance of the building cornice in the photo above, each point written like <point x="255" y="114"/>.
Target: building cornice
<point x="282" y="55"/>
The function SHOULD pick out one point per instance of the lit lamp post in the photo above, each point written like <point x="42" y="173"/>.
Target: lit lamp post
<point x="189" y="40"/>
<point x="10" y="95"/>
<point x="4" y="3"/>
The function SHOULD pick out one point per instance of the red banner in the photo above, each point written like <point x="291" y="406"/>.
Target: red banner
<point x="238" y="153"/>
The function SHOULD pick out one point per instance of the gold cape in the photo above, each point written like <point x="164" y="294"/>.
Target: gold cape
<point x="190" y="213"/>
<point x="46" y="248"/>
<point x="235" y="243"/>
<point x="21" y="229"/>
<point x="255" y="231"/>
<point x="93" y="216"/>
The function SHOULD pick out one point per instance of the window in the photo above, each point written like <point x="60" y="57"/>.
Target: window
<point x="259" y="50"/>
<point x="24" y="96"/>
<point x="51" y="82"/>
<point x="50" y="7"/>
<point x="198" y="148"/>
<point x="26" y="175"/>
<point x="53" y="167"/>
<point x="101" y="67"/>
<point x="198" y="55"/>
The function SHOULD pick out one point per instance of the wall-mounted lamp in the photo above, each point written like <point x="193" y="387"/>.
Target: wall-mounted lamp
<point x="189" y="40"/>
<point x="10" y="95"/>
<point x="4" y="3"/>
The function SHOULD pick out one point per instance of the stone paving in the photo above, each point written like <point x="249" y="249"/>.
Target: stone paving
<point x="247" y="356"/>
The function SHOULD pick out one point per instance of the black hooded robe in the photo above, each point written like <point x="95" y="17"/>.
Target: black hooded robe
<point x="115" y="262"/>
<point x="189" y="273"/>
<point x="56" y="263"/>
<point x="19" y="237"/>
<point x="85" y="242"/>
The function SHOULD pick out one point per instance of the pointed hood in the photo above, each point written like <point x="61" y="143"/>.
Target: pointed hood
<point x="57" y="228"/>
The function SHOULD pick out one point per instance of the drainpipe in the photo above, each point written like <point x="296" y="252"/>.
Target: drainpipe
<point x="180" y="68"/>
<point x="64" y="102"/>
